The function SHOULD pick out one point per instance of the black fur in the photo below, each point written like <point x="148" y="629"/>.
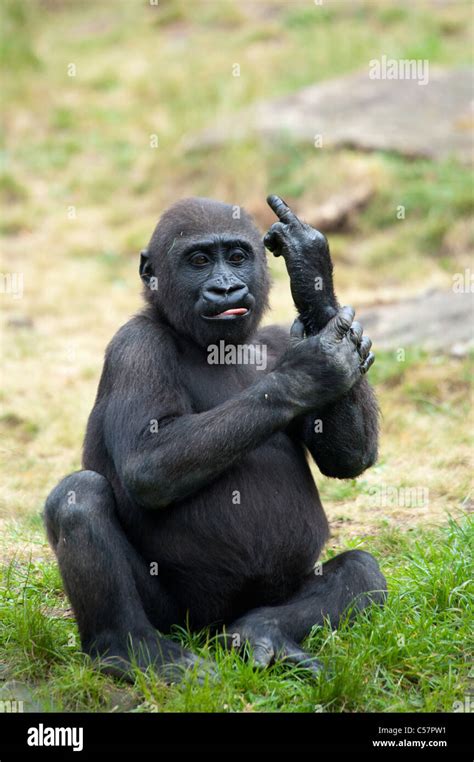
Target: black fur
<point x="202" y="468"/>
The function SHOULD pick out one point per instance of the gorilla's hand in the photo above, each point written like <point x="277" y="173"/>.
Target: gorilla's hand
<point x="308" y="261"/>
<point x="320" y="369"/>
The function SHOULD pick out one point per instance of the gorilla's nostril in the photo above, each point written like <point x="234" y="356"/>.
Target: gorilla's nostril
<point x="229" y="292"/>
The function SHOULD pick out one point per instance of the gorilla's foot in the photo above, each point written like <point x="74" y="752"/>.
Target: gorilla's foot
<point x="120" y="655"/>
<point x="345" y="585"/>
<point x="268" y="644"/>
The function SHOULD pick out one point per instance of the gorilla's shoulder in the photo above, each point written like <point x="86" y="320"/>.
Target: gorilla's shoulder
<point x="140" y="341"/>
<point x="276" y="337"/>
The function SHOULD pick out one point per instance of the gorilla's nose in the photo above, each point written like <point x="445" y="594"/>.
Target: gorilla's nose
<point x="229" y="293"/>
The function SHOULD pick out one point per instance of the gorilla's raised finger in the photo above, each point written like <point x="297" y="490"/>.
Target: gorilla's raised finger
<point x="356" y="332"/>
<point x="364" y="347"/>
<point x="367" y="363"/>
<point x="281" y="209"/>
<point x="297" y="329"/>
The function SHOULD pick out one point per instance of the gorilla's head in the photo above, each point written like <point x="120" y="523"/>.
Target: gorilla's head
<point x="205" y="271"/>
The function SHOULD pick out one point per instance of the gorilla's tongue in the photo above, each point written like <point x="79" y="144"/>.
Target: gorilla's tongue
<point x="233" y="311"/>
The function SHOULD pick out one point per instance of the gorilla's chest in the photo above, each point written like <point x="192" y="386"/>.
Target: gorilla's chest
<point x="209" y="385"/>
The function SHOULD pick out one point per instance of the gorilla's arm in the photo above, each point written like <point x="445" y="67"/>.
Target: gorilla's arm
<point x="343" y="439"/>
<point x="343" y="436"/>
<point x="162" y="451"/>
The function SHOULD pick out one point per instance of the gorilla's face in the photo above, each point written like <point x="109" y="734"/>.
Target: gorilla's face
<point x="220" y="278"/>
<point x="206" y="272"/>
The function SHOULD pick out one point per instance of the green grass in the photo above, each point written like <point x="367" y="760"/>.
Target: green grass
<point x="413" y="655"/>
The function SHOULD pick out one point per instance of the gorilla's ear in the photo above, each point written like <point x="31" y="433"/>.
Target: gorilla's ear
<point x="145" y="269"/>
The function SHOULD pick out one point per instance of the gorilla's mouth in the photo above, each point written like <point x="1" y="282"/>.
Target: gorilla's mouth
<point x="231" y="314"/>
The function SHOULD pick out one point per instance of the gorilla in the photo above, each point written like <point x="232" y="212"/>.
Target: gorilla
<point x="196" y="506"/>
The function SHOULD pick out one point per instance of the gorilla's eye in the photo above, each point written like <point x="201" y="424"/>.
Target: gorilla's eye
<point x="199" y="259"/>
<point x="237" y="257"/>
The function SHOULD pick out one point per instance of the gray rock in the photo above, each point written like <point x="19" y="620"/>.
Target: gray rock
<point x="436" y="320"/>
<point x="16" y="696"/>
<point x="20" y="321"/>
<point x="433" y="120"/>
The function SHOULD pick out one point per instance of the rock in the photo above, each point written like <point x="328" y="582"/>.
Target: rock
<point x="20" y="321"/>
<point x="460" y="349"/>
<point x="434" y="120"/>
<point x="16" y="696"/>
<point x="437" y="320"/>
<point x="338" y="211"/>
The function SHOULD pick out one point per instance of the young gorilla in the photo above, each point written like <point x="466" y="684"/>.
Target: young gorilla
<point x="199" y="470"/>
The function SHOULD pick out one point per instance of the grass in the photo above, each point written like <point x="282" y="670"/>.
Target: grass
<point x="81" y="189"/>
<point x="411" y="656"/>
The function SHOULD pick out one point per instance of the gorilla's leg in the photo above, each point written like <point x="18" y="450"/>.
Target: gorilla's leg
<point x="113" y="595"/>
<point x="347" y="584"/>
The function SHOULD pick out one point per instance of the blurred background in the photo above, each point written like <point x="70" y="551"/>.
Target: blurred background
<point x="112" y="110"/>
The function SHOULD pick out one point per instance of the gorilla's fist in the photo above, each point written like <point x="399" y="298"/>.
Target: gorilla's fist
<point x="318" y="370"/>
